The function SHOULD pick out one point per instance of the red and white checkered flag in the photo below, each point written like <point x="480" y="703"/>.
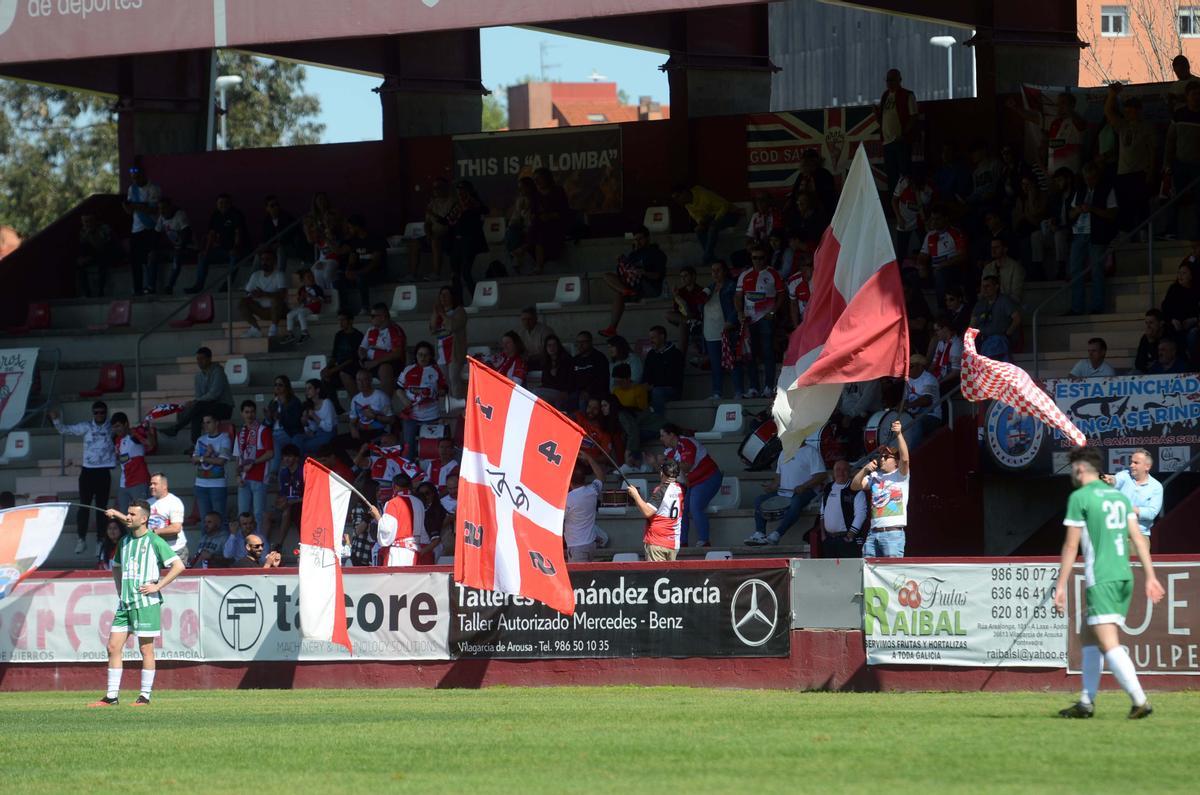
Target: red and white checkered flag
<point x="988" y="379"/>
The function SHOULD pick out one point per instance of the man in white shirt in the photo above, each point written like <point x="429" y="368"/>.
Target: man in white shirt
<point x="141" y="202"/>
<point x="797" y="480"/>
<point x="843" y="513"/>
<point x="95" y="472"/>
<point x="265" y="296"/>
<point x="166" y="515"/>
<point x="1094" y="365"/>
<point x="885" y="478"/>
<point x="579" y="517"/>
<point x="1142" y="489"/>
<point x="923" y="399"/>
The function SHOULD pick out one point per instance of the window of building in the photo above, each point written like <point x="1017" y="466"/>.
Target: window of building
<point x="1114" y="21"/>
<point x="1189" y="21"/>
<point x="596" y="117"/>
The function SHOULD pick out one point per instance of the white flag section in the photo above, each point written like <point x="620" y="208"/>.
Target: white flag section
<point x="322" y="521"/>
<point x="855" y="328"/>
<point x="27" y="534"/>
<point x="17" y="366"/>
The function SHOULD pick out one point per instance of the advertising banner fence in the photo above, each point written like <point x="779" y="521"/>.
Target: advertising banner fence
<point x="255" y="617"/>
<point x="635" y="613"/>
<point x="1162" y="638"/>
<point x="586" y="162"/>
<point x="966" y="614"/>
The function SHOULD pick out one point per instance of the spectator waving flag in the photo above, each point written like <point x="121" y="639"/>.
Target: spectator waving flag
<point x="27" y="534"/>
<point x="518" y="453"/>
<point x="988" y="379"/>
<point x="162" y="410"/>
<point x="322" y="521"/>
<point x="855" y="327"/>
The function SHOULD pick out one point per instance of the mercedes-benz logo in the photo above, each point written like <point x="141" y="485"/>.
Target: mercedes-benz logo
<point x="754" y="615"/>
<point x="241" y="617"/>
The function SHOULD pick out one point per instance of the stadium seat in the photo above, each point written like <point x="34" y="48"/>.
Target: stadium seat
<point x="728" y="420"/>
<point x="434" y="430"/>
<point x="237" y="371"/>
<point x="719" y="554"/>
<point x="199" y="311"/>
<point x="312" y="367"/>
<point x="16" y="447"/>
<point x="494" y="229"/>
<point x="479" y="351"/>
<point x="568" y="291"/>
<point x="626" y="557"/>
<point x="404" y="299"/>
<point x="642" y="485"/>
<point x="120" y="313"/>
<point x="414" y="230"/>
<point x="112" y="379"/>
<point x="728" y="497"/>
<point x="658" y="219"/>
<point x="487" y="295"/>
<point x="36" y="319"/>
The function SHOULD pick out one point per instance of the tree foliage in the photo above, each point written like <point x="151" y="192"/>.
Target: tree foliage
<point x="270" y="107"/>
<point x="495" y="112"/>
<point x="56" y="148"/>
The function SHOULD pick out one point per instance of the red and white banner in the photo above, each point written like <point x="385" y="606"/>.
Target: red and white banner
<point x="27" y="534"/>
<point x="322" y="522"/>
<point x="45" y="30"/>
<point x="17" y="368"/>
<point x="518" y="454"/>
<point x="856" y="327"/>
<point x="988" y="379"/>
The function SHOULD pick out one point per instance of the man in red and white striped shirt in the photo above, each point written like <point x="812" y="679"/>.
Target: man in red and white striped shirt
<point x="402" y="535"/>
<point x="944" y="252"/>
<point x="131" y="458"/>
<point x="383" y="350"/>
<point x="760" y="293"/>
<point x="664" y="523"/>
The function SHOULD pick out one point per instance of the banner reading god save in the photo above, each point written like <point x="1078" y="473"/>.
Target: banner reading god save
<point x="963" y="615"/>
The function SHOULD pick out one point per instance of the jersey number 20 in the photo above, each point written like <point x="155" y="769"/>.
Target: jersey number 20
<point x="1114" y="519"/>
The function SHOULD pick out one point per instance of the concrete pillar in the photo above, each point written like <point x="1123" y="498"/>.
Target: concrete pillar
<point x="719" y="86"/>
<point x="163" y="105"/>
<point x="432" y="85"/>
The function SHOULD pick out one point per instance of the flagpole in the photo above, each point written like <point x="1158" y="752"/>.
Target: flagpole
<point x="609" y="457"/>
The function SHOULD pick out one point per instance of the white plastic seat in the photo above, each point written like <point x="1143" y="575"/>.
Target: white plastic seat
<point x="728" y="420"/>
<point x="568" y="291"/>
<point x="404" y="299"/>
<point x="658" y="219"/>
<point x="494" y="229"/>
<point x="728" y="497"/>
<point x="626" y="557"/>
<point x="719" y="554"/>
<point x="414" y="230"/>
<point x="487" y="295"/>
<point x="312" y="367"/>
<point x="16" y="447"/>
<point x="237" y="371"/>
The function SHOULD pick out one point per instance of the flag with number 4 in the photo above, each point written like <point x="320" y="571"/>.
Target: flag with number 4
<point x="518" y="453"/>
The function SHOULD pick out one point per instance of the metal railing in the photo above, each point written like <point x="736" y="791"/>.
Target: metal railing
<point x="228" y="278"/>
<point x="1124" y="237"/>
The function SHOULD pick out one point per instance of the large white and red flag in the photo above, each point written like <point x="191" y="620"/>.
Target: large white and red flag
<point x="322" y="521"/>
<point x="988" y="379"/>
<point x="27" y="535"/>
<point x="855" y="327"/>
<point x="518" y="452"/>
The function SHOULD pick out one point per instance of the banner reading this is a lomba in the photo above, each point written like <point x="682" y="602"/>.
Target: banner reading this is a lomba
<point x="963" y="615"/>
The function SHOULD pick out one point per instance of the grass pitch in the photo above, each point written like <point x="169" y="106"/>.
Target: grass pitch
<point x="618" y="739"/>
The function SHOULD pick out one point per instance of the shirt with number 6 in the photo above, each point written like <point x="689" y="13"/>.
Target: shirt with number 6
<point x="665" y="526"/>
<point x="1103" y="514"/>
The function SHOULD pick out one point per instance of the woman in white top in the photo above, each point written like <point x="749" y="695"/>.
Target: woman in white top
<point x="320" y="421"/>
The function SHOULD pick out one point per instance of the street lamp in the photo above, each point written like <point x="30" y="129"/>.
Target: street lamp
<point x="224" y="83"/>
<point x="948" y="43"/>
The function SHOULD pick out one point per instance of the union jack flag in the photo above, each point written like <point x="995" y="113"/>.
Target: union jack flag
<point x="776" y="142"/>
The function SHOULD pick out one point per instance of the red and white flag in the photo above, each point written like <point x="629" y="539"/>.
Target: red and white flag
<point x="855" y="327"/>
<point x="322" y="521"/>
<point x="988" y="379"/>
<point x="518" y="453"/>
<point x="27" y="534"/>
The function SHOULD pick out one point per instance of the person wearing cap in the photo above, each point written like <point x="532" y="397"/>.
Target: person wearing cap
<point x="95" y="472"/>
<point x="923" y="400"/>
<point x="212" y="396"/>
<point x="885" y="478"/>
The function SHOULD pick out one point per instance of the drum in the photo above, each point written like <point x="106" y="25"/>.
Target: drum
<point x="614" y="498"/>
<point x="773" y="508"/>
<point x="761" y="446"/>
<point x="878" y="430"/>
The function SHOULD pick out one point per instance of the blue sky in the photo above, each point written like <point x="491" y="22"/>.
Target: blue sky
<point x="350" y="110"/>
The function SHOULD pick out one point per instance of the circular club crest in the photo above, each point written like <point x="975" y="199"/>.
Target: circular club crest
<point x="1012" y="439"/>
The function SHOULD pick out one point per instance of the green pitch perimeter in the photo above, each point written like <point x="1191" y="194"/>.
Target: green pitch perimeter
<point x="620" y="739"/>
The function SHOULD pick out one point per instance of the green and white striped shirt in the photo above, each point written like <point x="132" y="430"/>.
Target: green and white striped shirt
<point x="141" y="559"/>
